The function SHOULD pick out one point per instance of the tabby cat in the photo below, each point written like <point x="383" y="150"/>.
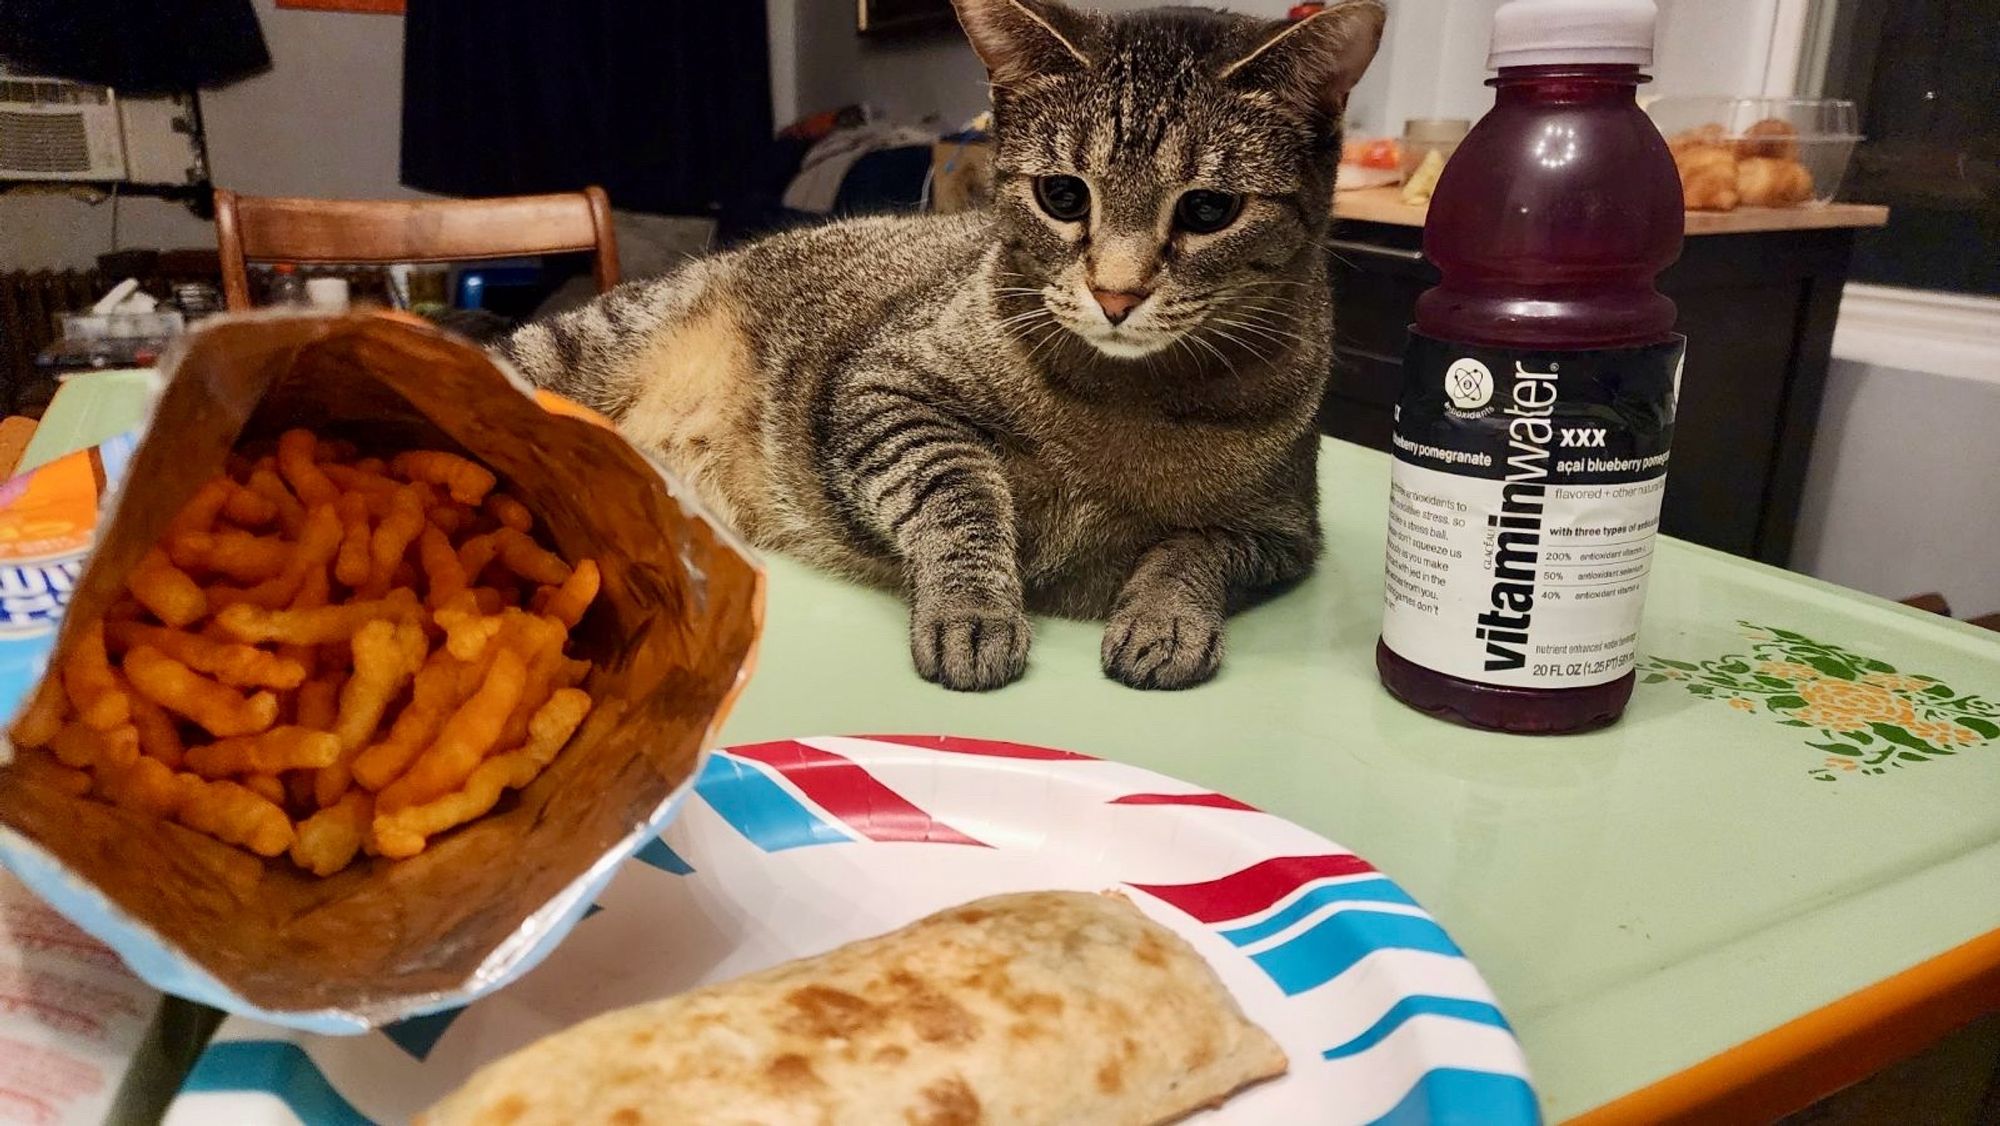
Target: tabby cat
<point x="1096" y="398"/>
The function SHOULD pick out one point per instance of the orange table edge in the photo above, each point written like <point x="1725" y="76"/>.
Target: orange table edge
<point x="1806" y="1059"/>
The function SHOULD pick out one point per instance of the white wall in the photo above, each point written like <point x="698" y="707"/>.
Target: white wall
<point x="932" y="77"/>
<point x="1903" y="496"/>
<point x="1712" y="47"/>
<point x="1432" y="62"/>
<point x="781" y="25"/>
<point x="325" y="120"/>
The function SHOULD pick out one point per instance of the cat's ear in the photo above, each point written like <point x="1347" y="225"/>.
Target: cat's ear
<point x="1316" y="60"/>
<point x="1019" y="39"/>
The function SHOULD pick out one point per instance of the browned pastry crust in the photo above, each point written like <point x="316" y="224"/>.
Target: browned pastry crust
<point x="1764" y="181"/>
<point x="1708" y="178"/>
<point x="1770" y="137"/>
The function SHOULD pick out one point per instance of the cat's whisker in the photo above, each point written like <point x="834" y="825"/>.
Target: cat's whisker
<point x="1052" y="334"/>
<point x="1029" y="315"/>
<point x="1254" y="308"/>
<point x="1020" y="318"/>
<point x="1283" y="339"/>
<point x="1195" y="338"/>
<point x="1262" y="282"/>
<point x="1217" y="328"/>
<point x="1258" y="293"/>
<point x="1255" y="317"/>
<point x="1265" y="303"/>
<point x="1268" y="318"/>
<point x="1023" y="343"/>
<point x="1262" y="298"/>
<point x="1032" y="339"/>
<point x="1255" y="352"/>
<point x="1262" y="305"/>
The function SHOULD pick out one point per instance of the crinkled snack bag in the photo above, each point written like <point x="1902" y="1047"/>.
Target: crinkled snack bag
<point x="669" y="639"/>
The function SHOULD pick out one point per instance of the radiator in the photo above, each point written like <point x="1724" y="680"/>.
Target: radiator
<point x="30" y="301"/>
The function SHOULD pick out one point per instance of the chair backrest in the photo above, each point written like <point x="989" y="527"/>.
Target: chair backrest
<point x="277" y="229"/>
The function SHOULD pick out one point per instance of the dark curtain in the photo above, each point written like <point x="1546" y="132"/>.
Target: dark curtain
<point x="134" y="46"/>
<point x="666" y="103"/>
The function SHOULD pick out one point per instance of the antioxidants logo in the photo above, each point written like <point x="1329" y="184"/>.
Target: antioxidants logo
<point x="1469" y="384"/>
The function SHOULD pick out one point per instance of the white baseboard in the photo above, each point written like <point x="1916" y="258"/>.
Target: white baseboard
<point x="1920" y="330"/>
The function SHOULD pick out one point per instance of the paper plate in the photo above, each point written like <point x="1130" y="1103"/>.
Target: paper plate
<point x="797" y="847"/>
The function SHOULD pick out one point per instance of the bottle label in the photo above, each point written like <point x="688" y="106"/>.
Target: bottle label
<point x="1524" y="498"/>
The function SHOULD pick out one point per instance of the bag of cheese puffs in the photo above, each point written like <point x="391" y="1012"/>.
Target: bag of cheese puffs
<point x="337" y="696"/>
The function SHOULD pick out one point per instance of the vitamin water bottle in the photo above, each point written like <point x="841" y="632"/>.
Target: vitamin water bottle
<point x="1532" y="433"/>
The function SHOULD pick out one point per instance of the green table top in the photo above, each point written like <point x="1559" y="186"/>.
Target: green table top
<point x="1640" y="898"/>
<point x="88" y="408"/>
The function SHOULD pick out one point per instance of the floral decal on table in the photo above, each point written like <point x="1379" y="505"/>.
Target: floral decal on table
<point x="1869" y="716"/>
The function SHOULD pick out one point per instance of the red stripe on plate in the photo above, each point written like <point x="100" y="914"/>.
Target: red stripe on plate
<point x="995" y="748"/>
<point x="850" y="793"/>
<point x="1254" y="888"/>
<point x="1214" y="801"/>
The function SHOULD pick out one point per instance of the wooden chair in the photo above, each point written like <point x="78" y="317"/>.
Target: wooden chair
<point x="277" y="229"/>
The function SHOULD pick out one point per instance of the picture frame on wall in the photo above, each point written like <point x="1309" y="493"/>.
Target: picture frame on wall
<point x="892" y="17"/>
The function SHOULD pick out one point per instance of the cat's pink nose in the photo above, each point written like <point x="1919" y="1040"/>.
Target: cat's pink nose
<point x="1117" y="304"/>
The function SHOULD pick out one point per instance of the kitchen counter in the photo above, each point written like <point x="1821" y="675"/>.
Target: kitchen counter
<point x="1385" y="205"/>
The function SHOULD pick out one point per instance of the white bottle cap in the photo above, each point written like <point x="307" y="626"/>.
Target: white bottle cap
<point x="1569" y="32"/>
<point x="327" y="294"/>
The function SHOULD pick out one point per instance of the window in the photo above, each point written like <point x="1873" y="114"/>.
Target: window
<point x="1922" y="74"/>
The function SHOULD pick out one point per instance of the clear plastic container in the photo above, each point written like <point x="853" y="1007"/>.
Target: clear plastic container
<point x="1425" y="135"/>
<point x="1818" y="134"/>
<point x="121" y="326"/>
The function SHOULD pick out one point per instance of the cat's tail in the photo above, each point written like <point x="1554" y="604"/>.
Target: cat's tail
<point x="563" y="354"/>
<point x="589" y="354"/>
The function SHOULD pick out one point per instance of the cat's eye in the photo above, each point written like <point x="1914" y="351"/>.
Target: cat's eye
<point x="1065" y="198"/>
<point x="1205" y="212"/>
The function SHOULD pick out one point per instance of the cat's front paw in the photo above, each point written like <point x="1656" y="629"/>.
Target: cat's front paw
<point x="969" y="647"/>
<point x="1162" y="647"/>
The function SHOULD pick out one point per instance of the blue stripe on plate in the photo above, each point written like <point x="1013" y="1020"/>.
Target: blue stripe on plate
<point x="657" y="853"/>
<point x="1317" y="956"/>
<point x="1421" y="1004"/>
<point x="274" y="1067"/>
<point x="1452" y="1096"/>
<point x="114" y="454"/>
<point x="1375" y="890"/>
<point x="760" y="809"/>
